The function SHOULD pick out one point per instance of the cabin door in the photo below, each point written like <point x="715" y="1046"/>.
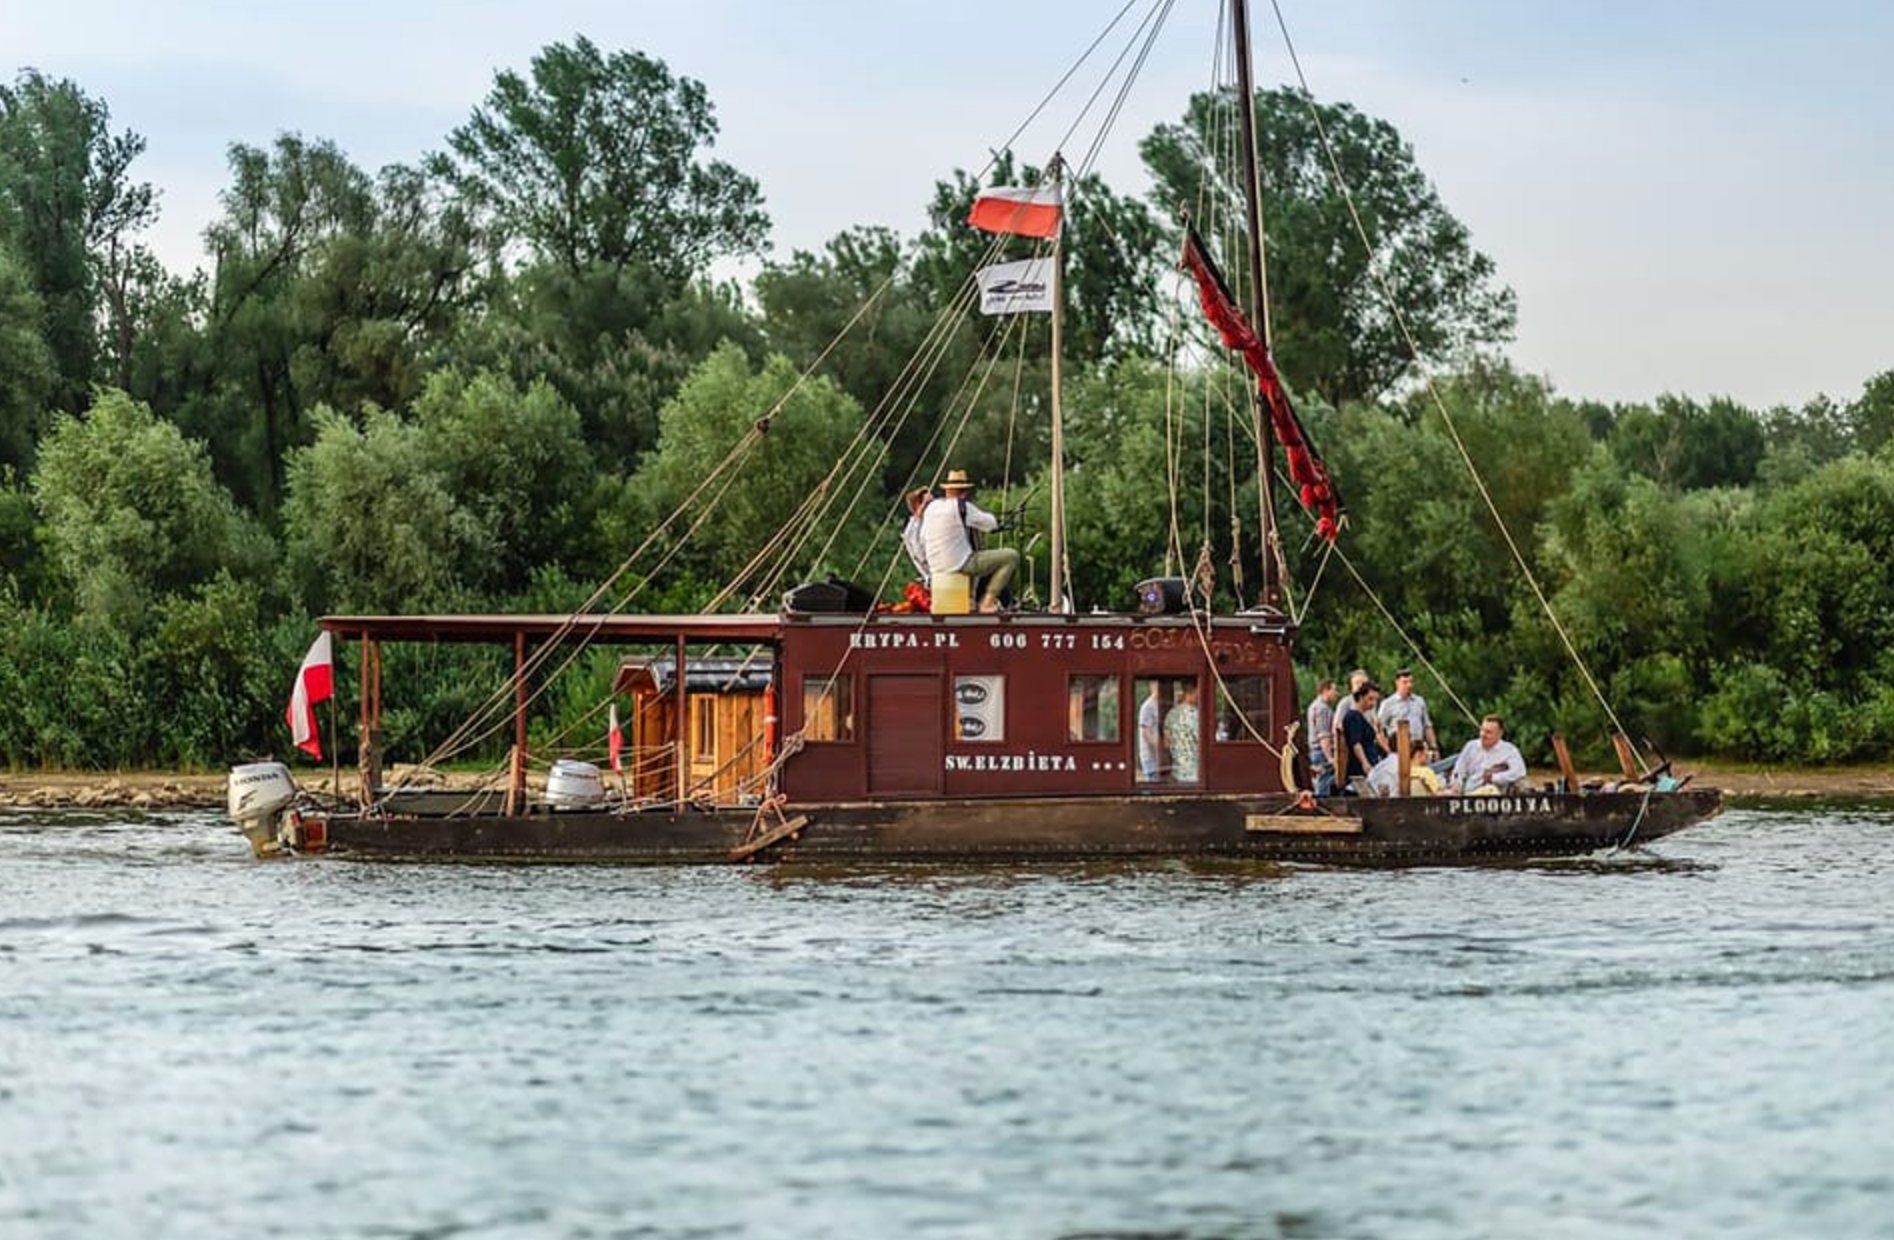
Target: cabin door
<point x="906" y="718"/>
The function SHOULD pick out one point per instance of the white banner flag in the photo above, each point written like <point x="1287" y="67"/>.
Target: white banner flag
<point x="1017" y="288"/>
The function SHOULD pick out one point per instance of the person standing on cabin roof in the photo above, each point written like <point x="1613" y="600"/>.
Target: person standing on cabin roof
<point x="1151" y="735"/>
<point x="1181" y="730"/>
<point x="918" y="500"/>
<point x="1360" y="743"/>
<point x="1321" y="724"/>
<point x="947" y="527"/>
<point x="1488" y="762"/>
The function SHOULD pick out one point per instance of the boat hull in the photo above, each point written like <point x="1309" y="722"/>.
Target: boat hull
<point x="1413" y="831"/>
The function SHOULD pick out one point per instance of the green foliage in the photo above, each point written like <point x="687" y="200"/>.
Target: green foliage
<point x="481" y="385"/>
<point x="1335" y="328"/>
<point x="208" y="660"/>
<point x="369" y="524"/>
<point x="810" y="426"/>
<point x="595" y="162"/>
<point x="615" y="343"/>
<point x="863" y="280"/>
<point x="68" y="204"/>
<point x="515" y="462"/>
<point x="132" y="512"/>
<point x="1683" y="444"/>
<point x="329" y="287"/>
<point x="73" y="701"/>
<point x="27" y="375"/>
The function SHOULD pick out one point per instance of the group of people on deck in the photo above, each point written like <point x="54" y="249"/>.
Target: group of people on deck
<point x="1352" y="745"/>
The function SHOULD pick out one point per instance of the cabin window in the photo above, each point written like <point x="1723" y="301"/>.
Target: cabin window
<point x="1170" y="730"/>
<point x="828" y="708"/>
<point x="1243" y="710"/>
<point x="1091" y="708"/>
<point x="704" y="727"/>
<point x="979" y="708"/>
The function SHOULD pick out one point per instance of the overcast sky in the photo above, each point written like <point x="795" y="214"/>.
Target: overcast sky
<point x="1689" y="196"/>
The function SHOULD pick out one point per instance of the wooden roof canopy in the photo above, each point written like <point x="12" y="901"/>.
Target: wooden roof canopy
<point x="505" y="629"/>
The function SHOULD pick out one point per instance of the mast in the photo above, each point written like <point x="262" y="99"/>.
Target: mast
<point x="1056" y="587"/>
<point x="1259" y="291"/>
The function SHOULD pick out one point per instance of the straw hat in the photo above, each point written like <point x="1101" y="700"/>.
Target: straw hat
<point x="956" y="481"/>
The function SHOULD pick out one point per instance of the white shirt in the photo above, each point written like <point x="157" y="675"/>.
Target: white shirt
<point x="944" y="539"/>
<point x="1385" y="775"/>
<point x="1469" y="769"/>
<point x="1412" y="708"/>
<point x="1150" y="733"/>
<point x="916" y="549"/>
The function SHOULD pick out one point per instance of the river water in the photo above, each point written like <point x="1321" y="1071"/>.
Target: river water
<point x="1694" y="1041"/>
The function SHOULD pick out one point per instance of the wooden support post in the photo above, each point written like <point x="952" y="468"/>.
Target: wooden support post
<point x="1404" y="748"/>
<point x="1627" y="756"/>
<point x="516" y="783"/>
<point x="1566" y="771"/>
<point x="367" y="760"/>
<point x="682" y="755"/>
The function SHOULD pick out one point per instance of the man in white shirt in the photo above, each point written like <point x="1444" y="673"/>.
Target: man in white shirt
<point x="946" y="535"/>
<point x="918" y="500"/>
<point x="1488" y="761"/>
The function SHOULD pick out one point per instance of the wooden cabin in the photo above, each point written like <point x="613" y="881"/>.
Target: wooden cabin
<point x="927" y="707"/>
<point x="723" y="719"/>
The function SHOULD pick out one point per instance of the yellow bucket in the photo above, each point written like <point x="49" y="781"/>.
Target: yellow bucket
<point x="952" y="594"/>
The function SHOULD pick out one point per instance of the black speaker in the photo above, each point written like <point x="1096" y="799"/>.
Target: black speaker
<point x="834" y="597"/>
<point x="1162" y="596"/>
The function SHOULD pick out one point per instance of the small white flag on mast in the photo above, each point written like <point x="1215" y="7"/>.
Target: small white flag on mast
<point x="1024" y="287"/>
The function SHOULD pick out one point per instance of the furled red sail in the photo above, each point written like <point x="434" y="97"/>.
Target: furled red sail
<point x="1315" y="489"/>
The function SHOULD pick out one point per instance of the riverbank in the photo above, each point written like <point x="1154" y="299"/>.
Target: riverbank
<point x="182" y="790"/>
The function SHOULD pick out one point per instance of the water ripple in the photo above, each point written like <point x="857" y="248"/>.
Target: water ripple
<point x="1688" y="1040"/>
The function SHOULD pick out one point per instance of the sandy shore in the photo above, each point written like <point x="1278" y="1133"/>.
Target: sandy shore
<point x="178" y="790"/>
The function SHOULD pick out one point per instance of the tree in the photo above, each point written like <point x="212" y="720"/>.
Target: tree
<point x="857" y="313"/>
<point x="515" y="462"/>
<point x="131" y="511"/>
<point x="806" y="436"/>
<point x="615" y="344"/>
<point x="368" y="522"/>
<point x="1871" y="416"/>
<point x="27" y="367"/>
<point x="67" y="198"/>
<point x="1334" y="302"/>
<point x="329" y="287"/>
<point x="1683" y="444"/>
<point x="595" y="162"/>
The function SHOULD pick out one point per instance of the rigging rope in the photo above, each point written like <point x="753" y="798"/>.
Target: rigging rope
<point x="1433" y="391"/>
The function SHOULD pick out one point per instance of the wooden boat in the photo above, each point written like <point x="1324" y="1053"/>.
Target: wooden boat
<point x="959" y="738"/>
<point x="889" y="767"/>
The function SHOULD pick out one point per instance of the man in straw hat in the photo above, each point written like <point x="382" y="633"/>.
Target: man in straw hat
<point x="947" y="527"/>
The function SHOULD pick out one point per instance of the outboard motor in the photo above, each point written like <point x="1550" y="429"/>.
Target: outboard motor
<point x="574" y="785"/>
<point x="259" y="797"/>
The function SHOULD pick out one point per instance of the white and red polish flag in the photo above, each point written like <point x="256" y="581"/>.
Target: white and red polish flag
<point x="315" y="682"/>
<point x="615" y="741"/>
<point x="1018" y="211"/>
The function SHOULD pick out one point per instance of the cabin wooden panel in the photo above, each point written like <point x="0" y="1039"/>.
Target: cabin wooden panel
<point x="726" y="769"/>
<point x="1030" y="751"/>
<point x="904" y="737"/>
